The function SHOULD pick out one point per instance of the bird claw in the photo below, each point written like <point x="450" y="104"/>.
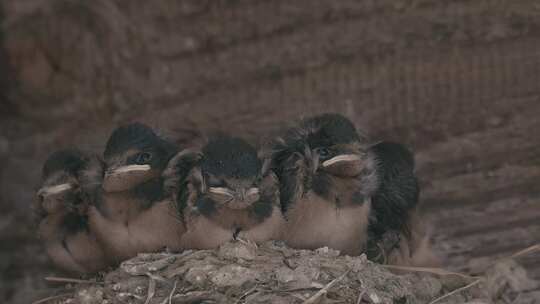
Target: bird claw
<point x="378" y="251"/>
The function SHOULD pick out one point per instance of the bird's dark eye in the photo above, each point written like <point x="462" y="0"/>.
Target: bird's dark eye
<point x="143" y="158"/>
<point x="324" y="153"/>
<point x="215" y="182"/>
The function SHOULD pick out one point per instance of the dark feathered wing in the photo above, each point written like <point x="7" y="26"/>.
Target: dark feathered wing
<point x="91" y="181"/>
<point x="396" y="196"/>
<point x="290" y="169"/>
<point x="176" y="176"/>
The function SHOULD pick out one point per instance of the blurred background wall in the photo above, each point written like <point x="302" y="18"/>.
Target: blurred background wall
<point x="456" y="80"/>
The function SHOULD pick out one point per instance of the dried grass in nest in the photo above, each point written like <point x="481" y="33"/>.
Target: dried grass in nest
<point x="242" y="272"/>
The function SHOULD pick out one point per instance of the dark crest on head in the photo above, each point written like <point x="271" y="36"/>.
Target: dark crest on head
<point x="140" y="137"/>
<point x="230" y="157"/>
<point x="323" y="130"/>
<point x="319" y="131"/>
<point x="69" y="160"/>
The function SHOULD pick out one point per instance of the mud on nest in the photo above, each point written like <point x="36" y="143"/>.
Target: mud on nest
<point x="242" y="272"/>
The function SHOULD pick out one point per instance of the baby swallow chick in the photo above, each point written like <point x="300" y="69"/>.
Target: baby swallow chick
<point x="134" y="215"/>
<point x="69" y="179"/>
<point x="226" y="193"/>
<point x="327" y="177"/>
<point x="396" y="233"/>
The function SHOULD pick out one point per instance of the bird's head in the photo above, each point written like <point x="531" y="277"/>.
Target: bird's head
<point x="225" y="181"/>
<point x="60" y="180"/>
<point x="318" y="150"/>
<point x="231" y="174"/>
<point x="133" y="155"/>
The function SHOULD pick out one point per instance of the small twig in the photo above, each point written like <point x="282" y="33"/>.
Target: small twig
<point x="70" y="280"/>
<point x="173" y="291"/>
<point x="297" y="289"/>
<point x="287" y="263"/>
<point x="251" y="290"/>
<point x="52" y="298"/>
<point x="516" y="255"/>
<point x="456" y="291"/>
<point x="324" y="290"/>
<point x="299" y="297"/>
<point x="360" y="296"/>
<point x="151" y="289"/>
<point x="171" y="294"/>
<point x="526" y="251"/>
<point x="438" y="271"/>
<point x="199" y="297"/>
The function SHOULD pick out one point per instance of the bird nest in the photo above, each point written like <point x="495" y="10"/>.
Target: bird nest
<point x="242" y="272"/>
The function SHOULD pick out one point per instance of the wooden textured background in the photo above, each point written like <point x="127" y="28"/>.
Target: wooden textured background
<point x="458" y="81"/>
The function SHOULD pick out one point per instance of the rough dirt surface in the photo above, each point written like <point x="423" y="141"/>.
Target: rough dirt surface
<point x="456" y="80"/>
<point x="242" y="272"/>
